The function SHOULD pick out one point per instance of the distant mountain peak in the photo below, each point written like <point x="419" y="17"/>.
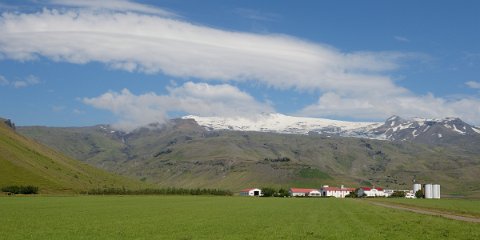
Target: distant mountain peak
<point x="394" y="128"/>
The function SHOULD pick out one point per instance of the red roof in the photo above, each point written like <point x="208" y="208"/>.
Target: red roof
<point x="368" y="189"/>
<point x="302" y="190"/>
<point x="248" y="189"/>
<point x="338" y="189"/>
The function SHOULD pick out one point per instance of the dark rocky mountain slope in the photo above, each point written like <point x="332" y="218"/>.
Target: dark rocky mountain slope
<point x="185" y="154"/>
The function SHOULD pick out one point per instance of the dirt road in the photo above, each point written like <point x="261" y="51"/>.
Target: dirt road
<point x="428" y="212"/>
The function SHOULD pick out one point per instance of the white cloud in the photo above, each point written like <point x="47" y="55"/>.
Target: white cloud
<point x="136" y="42"/>
<point x="356" y="83"/>
<point x="3" y="81"/>
<point x="382" y="106"/>
<point x="115" y="5"/>
<point x="473" y="84"/>
<point x="401" y="39"/>
<point x="78" y="111"/>
<point x="30" y="80"/>
<point x="194" y="98"/>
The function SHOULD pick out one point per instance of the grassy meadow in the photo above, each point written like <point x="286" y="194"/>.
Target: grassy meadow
<point x="202" y="217"/>
<point x="469" y="207"/>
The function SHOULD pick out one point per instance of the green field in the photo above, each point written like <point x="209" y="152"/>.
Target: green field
<point x="470" y="207"/>
<point x="175" y="217"/>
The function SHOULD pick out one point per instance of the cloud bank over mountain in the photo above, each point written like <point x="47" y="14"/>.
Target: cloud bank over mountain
<point x="133" y="37"/>
<point x="196" y="98"/>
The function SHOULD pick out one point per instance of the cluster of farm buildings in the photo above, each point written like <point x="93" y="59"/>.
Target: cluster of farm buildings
<point x="428" y="190"/>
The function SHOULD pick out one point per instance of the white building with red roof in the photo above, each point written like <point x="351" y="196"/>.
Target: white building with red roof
<point x="304" y="192"/>
<point x="252" y="192"/>
<point x="338" y="192"/>
<point x="370" y="192"/>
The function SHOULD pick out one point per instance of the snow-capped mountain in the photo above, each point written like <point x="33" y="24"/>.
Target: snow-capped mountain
<point x="426" y="130"/>
<point x="393" y="129"/>
<point x="279" y="123"/>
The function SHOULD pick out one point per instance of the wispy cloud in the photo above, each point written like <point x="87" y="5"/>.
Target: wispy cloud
<point x="57" y="108"/>
<point x="30" y="80"/>
<point x="473" y="84"/>
<point x="195" y="98"/>
<point x="472" y="59"/>
<point x="3" y="81"/>
<point x="78" y="111"/>
<point x="401" y="39"/>
<point x="257" y="15"/>
<point x="115" y="5"/>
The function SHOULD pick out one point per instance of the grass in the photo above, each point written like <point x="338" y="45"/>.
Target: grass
<point x="26" y="162"/>
<point x="180" y="217"/>
<point x="470" y="207"/>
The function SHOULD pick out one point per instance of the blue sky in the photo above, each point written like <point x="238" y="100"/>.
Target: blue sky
<point x="77" y="63"/>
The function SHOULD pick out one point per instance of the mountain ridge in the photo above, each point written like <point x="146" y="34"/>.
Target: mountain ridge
<point x="182" y="153"/>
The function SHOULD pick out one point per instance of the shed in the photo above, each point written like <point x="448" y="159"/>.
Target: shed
<point x="252" y="192"/>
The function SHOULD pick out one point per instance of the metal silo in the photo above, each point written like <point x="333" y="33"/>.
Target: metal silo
<point x="416" y="187"/>
<point x="436" y="191"/>
<point x="428" y="191"/>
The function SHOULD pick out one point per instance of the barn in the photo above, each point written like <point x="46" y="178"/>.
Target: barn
<point x="338" y="192"/>
<point x="252" y="192"/>
<point x="304" y="192"/>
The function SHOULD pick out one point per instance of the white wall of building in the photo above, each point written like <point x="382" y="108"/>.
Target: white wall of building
<point x="252" y="192"/>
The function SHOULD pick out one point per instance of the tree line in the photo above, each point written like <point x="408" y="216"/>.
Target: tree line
<point x="16" y="189"/>
<point x="158" y="191"/>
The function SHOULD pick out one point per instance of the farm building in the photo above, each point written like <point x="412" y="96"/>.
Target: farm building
<point x="340" y="192"/>
<point x="370" y="192"/>
<point x="304" y="192"/>
<point x="253" y="192"/>
<point x="388" y="192"/>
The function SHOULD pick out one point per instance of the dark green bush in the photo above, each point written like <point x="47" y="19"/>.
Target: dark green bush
<point x="268" y="192"/>
<point x="419" y="194"/>
<point x="398" y="194"/>
<point x="351" y="195"/>
<point x="20" y="189"/>
<point x="282" y="193"/>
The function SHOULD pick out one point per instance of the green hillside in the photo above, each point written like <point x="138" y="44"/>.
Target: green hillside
<point x="26" y="162"/>
<point x="184" y="154"/>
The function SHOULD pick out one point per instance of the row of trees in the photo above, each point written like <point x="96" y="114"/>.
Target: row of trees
<point x="14" y="189"/>
<point x="158" y="191"/>
<point x="272" y="192"/>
